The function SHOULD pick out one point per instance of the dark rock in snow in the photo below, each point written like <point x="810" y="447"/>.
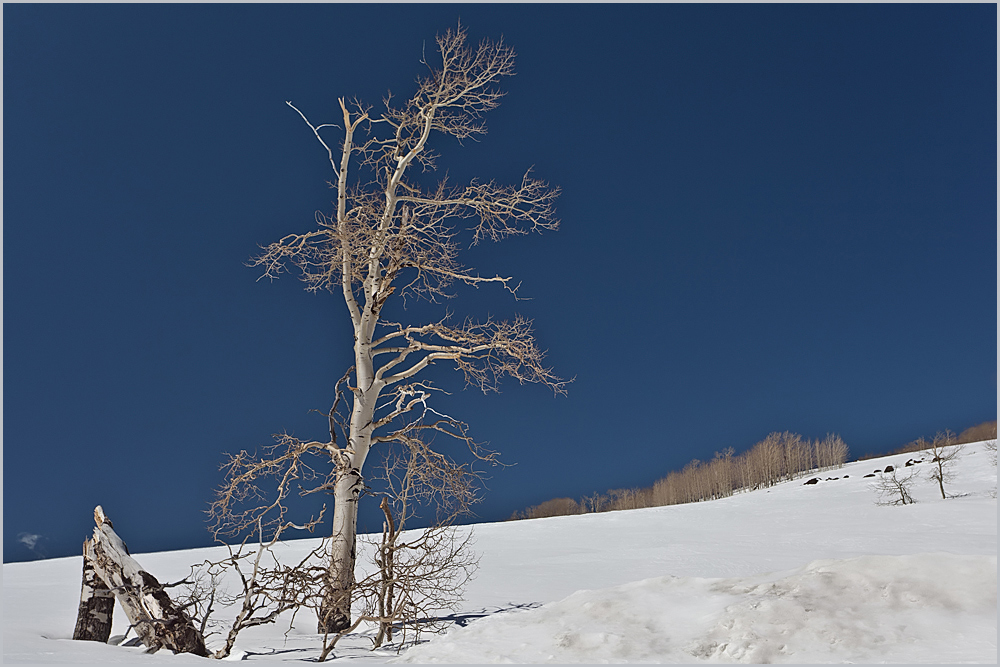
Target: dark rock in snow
<point x="814" y="480"/>
<point x="871" y="474"/>
<point x="888" y="469"/>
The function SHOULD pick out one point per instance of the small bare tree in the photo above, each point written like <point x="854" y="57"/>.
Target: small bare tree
<point x="943" y="453"/>
<point x="247" y="507"/>
<point x="894" y="488"/>
<point x="392" y="235"/>
<point x="422" y="572"/>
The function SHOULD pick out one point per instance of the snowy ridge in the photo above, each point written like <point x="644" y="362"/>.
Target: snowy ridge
<point x="795" y="573"/>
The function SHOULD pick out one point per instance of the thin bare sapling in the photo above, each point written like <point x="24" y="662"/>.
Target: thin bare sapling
<point x="942" y="452"/>
<point x="894" y="487"/>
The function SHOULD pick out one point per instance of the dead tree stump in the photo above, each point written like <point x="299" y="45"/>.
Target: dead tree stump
<point x="158" y="622"/>
<point x="97" y="604"/>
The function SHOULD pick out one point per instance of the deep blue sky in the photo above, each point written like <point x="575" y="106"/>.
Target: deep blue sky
<point x="776" y="217"/>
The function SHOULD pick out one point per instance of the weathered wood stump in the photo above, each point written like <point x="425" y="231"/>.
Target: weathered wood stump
<point x="97" y="604"/>
<point x="158" y="622"/>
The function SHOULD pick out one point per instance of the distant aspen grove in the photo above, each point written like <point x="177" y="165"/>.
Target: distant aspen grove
<point x="777" y="458"/>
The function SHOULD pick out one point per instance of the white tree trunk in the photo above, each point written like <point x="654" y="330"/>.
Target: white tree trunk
<point x="156" y="619"/>
<point x="335" y="613"/>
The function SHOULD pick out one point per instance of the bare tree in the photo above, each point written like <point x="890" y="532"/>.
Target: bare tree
<point x="422" y="572"/>
<point x="391" y="235"/>
<point x="943" y="453"/>
<point x="894" y="488"/>
<point x="831" y="452"/>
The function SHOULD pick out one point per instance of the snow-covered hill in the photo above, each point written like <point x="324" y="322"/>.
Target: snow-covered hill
<point x="797" y="573"/>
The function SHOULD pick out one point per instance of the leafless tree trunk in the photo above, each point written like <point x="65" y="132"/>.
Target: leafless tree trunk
<point x="943" y="452"/>
<point x="386" y="561"/>
<point x="393" y="236"/>
<point x="97" y="605"/>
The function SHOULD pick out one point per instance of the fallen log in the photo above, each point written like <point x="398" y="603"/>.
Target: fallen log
<point x="157" y="621"/>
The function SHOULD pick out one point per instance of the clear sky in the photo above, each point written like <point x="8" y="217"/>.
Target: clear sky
<point x="777" y="217"/>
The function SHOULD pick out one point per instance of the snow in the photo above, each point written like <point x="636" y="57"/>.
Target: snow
<point x="795" y="573"/>
<point x="866" y="609"/>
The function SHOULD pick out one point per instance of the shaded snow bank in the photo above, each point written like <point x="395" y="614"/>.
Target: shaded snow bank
<point x="918" y="608"/>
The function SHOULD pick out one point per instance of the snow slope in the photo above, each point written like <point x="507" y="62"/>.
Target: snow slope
<point x="795" y="573"/>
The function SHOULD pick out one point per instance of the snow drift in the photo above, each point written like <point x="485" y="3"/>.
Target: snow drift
<point x="867" y="609"/>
